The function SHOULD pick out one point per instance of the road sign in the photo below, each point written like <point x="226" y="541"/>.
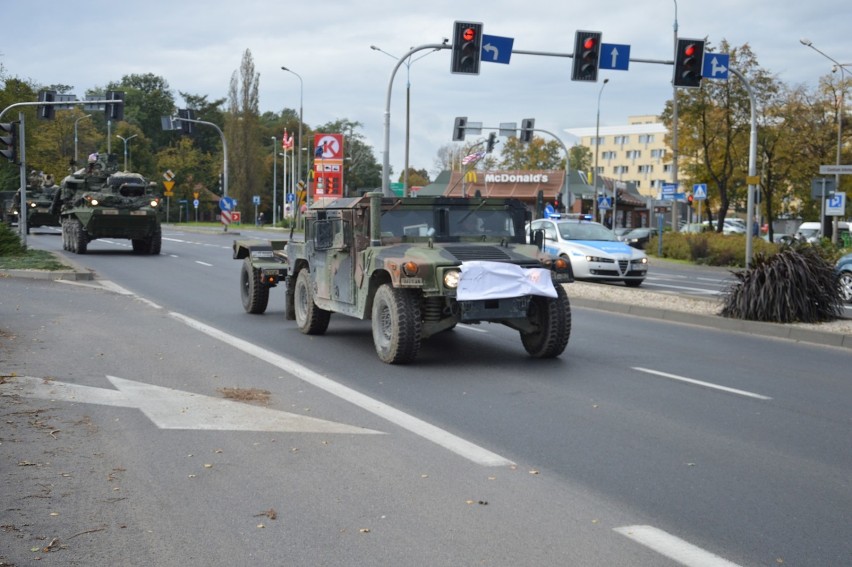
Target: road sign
<point x="669" y="189"/>
<point x="169" y="175"/>
<point x="256" y="199"/>
<point x="715" y="65"/>
<point x="615" y="56"/>
<point x="836" y="205"/>
<point x="226" y="217"/>
<point x="236" y="216"/>
<point x="699" y="191"/>
<point x="822" y="187"/>
<point x="226" y="204"/>
<point x="604" y="203"/>
<point x="496" y="49"/>
<point x="835" y="169"/>
<point x="195" y="203"/>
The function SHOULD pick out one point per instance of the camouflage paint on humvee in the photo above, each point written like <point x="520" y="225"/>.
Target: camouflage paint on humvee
<point x="400" y="262"/>
<point x="39" y="198"/>
<point x="101" y="202"/>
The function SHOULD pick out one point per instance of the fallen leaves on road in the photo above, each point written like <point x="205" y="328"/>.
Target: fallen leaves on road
<point x="246" y="394"/>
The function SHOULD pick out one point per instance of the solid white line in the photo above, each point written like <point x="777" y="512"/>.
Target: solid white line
<point x="673" y="547"/>
<point x="417" y="426"/>
<point x="705" y="384"/>
<point x="202" y="263"/>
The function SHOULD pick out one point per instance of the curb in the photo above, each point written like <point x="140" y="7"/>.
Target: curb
<point x="772" y="330"/>
<point x="74" y="273"/>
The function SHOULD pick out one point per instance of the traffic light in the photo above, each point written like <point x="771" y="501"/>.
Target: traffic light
<point x="587" y="56"/>
<point x="689" y="60"/>
<point x="527" y="127"/>
<point x="186" y="127"/>
<point x="47" y="111"/>
<point x="9" y="138"/>
<point x="492" y="139"/>
<point x="467" y="47"/>
<point x="115" y="111"/>
<point x="458" y="128"/>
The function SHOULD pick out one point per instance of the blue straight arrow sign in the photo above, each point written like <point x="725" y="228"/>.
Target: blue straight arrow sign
<point x="497" y="49"/>
<point x="615" y="56"/>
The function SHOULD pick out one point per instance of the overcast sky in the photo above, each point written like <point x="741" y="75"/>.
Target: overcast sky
<point x="197" y="46"/>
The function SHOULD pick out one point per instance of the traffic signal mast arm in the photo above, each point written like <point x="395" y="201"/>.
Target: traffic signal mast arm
<point x="65" y="103"/>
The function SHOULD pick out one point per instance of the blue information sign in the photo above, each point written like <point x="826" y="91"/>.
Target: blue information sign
<point x="615" y="56"/>
<point x="715" y="65"/>
<point x="496" y="49"/>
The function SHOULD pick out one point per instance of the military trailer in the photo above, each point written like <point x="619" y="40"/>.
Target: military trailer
<point x="415" y="267"/>
<point x="101" y="202"/>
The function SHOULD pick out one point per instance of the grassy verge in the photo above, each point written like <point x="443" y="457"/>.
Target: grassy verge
<point x="13" y="256"/>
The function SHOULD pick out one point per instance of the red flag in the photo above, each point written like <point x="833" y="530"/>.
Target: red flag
<point x="286" y="142"/>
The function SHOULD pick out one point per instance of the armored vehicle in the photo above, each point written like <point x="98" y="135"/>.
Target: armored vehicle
<point x="415" y="267"/>
<point x="39" y="200"/>
<point x="101" y="202"/>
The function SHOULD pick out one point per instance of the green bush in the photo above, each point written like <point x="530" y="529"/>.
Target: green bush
<point x="795" y="285"/>
<point x="10" y="242"/>
<point x="709" y="248"/>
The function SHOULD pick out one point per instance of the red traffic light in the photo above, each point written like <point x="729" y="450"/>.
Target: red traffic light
<point x="589" y="43"/>
<point x="689" y="50"/>
<point x="469" y="34"/>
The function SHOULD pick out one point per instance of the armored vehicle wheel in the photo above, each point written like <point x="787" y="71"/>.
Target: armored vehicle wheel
<point x="140" y="245"/>
<point x="553" y="319"/>
<point x="255" y="294"/>
<point x="64" y="228"/>
<point x="396" y="324"/>
<point x="78" y="237"/>
<point x="311" y="319"/>
<point x="156" y="241"/>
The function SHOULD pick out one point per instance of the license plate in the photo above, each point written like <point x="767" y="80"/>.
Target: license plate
<point x="411" y="281"/>
<point x="109" y="211"/>
<point x="138" y="213"/>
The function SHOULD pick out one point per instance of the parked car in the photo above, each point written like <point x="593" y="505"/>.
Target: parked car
<point x="809" y="231"/>
<point x="639" y="237"/>
<point x="844" y="277"/>
<point x="594" y="250"/>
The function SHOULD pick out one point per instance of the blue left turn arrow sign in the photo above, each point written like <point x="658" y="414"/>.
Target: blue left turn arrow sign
<point x="497" y="49"/>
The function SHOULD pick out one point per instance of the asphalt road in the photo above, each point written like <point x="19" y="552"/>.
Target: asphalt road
<point x="645" y="440"/>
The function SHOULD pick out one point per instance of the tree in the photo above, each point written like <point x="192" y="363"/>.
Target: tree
<point x="535" y="155"/>
<point x="147" y="99"/>
<point x="245" y="161"/>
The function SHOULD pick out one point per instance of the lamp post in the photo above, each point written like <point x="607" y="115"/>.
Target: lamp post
<point x="408" y="61"/>
<point x="597" y="150"/>
<point x="301" y="94"/>
<point x="808" y="43"/>
<point x="75" y="136"/>
<point x="284" y="178"/>
<point x="125" y="140"/>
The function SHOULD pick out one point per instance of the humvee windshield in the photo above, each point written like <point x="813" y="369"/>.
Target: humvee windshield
<point x="448" y="222"/>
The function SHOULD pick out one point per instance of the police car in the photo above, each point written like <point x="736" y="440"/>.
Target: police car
<point x="594" y="250"/>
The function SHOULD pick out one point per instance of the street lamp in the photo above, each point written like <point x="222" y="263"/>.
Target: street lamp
<point x="75" y="137"/>
<point x="597" y="150"/>
<point x="407" y="64"/>
<point x="675" y="151"/>
<point x="808" y="43"/>
<point x="274" y="180"/>
<point x="125" y="140"/>
<point x="301" y="93"/>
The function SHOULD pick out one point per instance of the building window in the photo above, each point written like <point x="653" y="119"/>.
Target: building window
<point x="634" y="154"/>
<point x="620" y="169"/>
<point x="608" y="155"/>
<point x="646" y="169"/>
<point x="598" y="141"/>
<point x="621" y="140"/>
<point x="667" y="168"/>
<point x="646" y="138"/>
<point x="660" y="153"/>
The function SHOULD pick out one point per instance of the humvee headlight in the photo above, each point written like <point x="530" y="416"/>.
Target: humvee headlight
<point x="154" y="202"/>
<point x="451" y="279"/>
<point x="92" y="201"/>
<point x="32" y="205"/>
<point x="409" y="269"/>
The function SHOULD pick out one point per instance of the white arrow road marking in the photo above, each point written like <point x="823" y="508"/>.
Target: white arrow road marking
<point x="441" y="437"/>
<point x="672" y="547"/>
<point x="176" y="409"/>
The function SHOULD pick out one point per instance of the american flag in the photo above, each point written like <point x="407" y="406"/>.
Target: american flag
<point x="472" y="158"/>
<point x="286" y="143"/>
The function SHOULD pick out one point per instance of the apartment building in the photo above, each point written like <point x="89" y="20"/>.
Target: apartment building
<point x="636" y="152"/>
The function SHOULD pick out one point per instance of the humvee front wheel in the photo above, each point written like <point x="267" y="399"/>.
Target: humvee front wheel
<point x="310" y="319"/>
<point x="552" y="318"/>
<point x="77" y="235"/>
<point x="396" y="324"/>
<point x="254" y="294"/>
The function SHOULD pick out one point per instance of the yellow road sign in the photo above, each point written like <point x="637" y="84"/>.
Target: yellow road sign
<point x="169" y="185"/>
<point x="753" y="179"/>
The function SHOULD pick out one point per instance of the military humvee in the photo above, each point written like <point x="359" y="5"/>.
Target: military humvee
<point x="415" y="267"/>
<point x="101" y="202"/>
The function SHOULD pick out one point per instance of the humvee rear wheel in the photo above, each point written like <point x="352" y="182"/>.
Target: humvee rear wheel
<point x="254" y="293"/>
<point x="552" y="317"/>
<point x="310" y="319"/>
<point x="396" y="324"/>
<point x="140" y="245"/>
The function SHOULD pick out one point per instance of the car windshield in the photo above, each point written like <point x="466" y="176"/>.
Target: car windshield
<point x="472" y="222"/>
<point x="585" y="231"/>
